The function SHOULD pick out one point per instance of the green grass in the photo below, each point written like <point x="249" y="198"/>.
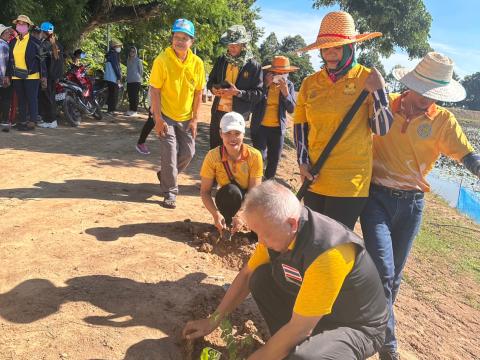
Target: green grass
<point x="450" y="237"/>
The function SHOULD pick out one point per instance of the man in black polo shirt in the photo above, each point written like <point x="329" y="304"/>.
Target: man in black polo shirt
<point x="315" y="285"/>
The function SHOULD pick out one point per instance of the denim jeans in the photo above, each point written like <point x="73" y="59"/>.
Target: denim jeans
<point x="390" y="223"/>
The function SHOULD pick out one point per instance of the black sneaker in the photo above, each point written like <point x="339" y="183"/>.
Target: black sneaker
<point x="389" y="355"/>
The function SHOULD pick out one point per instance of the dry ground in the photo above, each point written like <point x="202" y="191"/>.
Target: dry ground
<point x="92" y="267"/>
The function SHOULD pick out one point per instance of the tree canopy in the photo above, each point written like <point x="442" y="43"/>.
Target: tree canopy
<point x="472" y="86"/>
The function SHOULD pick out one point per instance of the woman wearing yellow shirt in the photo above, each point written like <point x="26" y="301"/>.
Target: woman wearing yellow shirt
<point x="26" y="68"/>
<point x="340" y="191"/>
<point x="269" y="117"/>
<point x="235" y="166"/>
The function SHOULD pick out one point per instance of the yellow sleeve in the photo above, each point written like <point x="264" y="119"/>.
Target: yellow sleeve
<point x="323" y="280"/>
<point x="300" y="114"/>
<point x="208" y="166"/>
<point x="157" y="76"/>
<point x="256" y="165"/>
<point x="453" y="142"/>
<point x="201" y="76"/>
<point x="259" y="257"/>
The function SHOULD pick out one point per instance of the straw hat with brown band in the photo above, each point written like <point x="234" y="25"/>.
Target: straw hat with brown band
<point x="338" y="29"/>
<point x="281" y="65"/>
<point x="23" y="18"/>
<point x="432" y="78"/>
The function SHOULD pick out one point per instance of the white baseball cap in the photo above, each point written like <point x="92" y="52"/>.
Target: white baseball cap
<point x="232" y="121"/>
<point x="3" y="28"/>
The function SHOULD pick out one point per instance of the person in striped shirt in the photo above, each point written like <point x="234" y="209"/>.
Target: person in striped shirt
<point x="340" y="191"/>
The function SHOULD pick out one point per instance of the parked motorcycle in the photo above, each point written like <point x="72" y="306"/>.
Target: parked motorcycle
<point x="77" y="96"/>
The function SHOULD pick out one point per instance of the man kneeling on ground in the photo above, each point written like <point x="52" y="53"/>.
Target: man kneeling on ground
<point x="315" y="285"/>
<point x="236" y="167"/>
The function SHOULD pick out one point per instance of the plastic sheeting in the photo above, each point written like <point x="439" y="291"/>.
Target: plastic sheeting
<point x="469" y="203"/>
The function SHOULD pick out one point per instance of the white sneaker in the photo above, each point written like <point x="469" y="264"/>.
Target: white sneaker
<point x="129" y="113"/>
<point x="47" y="125"/>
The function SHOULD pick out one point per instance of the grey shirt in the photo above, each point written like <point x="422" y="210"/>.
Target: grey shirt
<point x="134" y="70"/>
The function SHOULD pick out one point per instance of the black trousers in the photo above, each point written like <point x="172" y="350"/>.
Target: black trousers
<point x="27" y="95"/>
<point x="269" y="141"/>
<point x="5" y="100"/>
<point x="133" y="90"/>
<point x="229" y="200"/>
<point x="215" y="139"/>
<point x="112" y="99"/>
<point x="326" y="342"/>
<point x="46" y="102"/>
<point x="146" y="129"/>
<point x="343" y="209"/>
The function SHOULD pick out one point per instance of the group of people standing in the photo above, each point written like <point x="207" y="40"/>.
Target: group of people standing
<point x="32" y="61"/>
<point x="323" y="291"/>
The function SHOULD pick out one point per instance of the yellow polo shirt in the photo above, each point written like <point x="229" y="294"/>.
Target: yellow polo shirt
<point x="250" y="166"/>
<point x="231" y="75"/>
<point x="403" y="158"/>
<point x="322" y="280"/>
<point x="322" y="104"/>
<point x="270" y="119"/>
<point x="178" y="81"/>
<point x="19" y="57"/>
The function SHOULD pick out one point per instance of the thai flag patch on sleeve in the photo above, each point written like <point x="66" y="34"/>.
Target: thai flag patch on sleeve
<point x="292" y="275"/>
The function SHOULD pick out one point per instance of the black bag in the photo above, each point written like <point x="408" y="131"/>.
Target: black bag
<point x="20" y="73"/>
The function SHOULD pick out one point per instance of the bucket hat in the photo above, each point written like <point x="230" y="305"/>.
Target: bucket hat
<point x="280" y="64"/>
<point x="23" y="18"/>
<point x="432" y="78"/>
<point x="337" y="29"/>
<point x="235" y="34"/>
<point x="115" y="42"/>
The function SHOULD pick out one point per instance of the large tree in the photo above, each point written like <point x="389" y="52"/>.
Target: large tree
<point x="404" y="24"/>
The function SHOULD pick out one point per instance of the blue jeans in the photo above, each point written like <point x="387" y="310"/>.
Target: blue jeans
<point x="269" y="141"/>
<point x="390" y="223"/>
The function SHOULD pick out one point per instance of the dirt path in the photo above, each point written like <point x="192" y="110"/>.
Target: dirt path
<point x="92" y="267"/>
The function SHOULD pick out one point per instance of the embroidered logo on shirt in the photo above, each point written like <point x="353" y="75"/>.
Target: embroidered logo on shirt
<point x="424" y="130"/>
<point x="350" y="89"/>
<point x="245" y="75"/>
<point x="312" y="94"/>
<point x="292" y="275"/>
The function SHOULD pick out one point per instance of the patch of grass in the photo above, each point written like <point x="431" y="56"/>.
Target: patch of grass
<point x="448" y="235"/>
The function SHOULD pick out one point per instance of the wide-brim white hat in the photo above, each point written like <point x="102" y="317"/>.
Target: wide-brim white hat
<point x="432" y="78"/>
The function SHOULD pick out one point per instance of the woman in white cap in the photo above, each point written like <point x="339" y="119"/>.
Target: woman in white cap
<point x="341" y="189"/>
<point x="402" y="159"/>
<point x="235" y="166"/>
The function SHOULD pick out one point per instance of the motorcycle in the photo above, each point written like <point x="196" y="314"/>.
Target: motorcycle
<point x="77" y="96"/>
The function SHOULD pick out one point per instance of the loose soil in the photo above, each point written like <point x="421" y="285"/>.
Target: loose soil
<point x="92" y="267"/>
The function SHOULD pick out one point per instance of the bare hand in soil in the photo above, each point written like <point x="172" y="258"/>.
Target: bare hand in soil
<point x="220" y="222"/>
<point x="237" y="224"/>
<point x="199" y="328"/>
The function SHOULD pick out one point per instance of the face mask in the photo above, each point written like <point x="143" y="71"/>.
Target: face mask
<point x="22" y="29"/>
<point x="118" y="49"/>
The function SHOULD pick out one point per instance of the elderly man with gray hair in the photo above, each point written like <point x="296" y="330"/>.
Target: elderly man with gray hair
<point x="315" y="285"/>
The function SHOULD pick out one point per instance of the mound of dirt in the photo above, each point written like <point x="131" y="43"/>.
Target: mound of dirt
<point x="231" y="253"/>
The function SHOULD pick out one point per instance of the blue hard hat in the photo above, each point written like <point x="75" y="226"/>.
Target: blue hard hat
<point x="47" y="27"/>
<point x="185" y="26"/>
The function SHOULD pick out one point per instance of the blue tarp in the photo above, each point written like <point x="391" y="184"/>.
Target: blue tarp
<point x="469" y="203"/>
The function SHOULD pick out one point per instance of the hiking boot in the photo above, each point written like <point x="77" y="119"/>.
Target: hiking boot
<point x="142" y="149"/>
<point x="389" y="355"/>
